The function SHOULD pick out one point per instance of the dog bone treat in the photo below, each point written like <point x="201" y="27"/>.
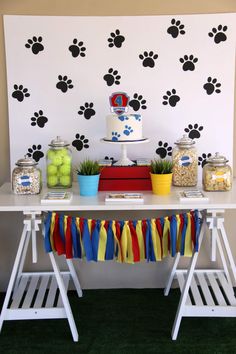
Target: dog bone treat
<point x="26" y="177"/>
<point x="217" y="175"/>
<point x="185" y="163"/>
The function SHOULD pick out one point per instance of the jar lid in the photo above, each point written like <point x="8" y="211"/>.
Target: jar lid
<point x="185" y="141"/>
<point x="26" y="161"/>
<point x="217" y="159"/>
<point x="58" y="142"/>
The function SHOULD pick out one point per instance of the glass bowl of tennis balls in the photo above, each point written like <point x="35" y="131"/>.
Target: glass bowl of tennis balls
<point x="59" y="164"/>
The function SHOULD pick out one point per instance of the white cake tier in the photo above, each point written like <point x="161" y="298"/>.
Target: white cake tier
<point x="126" y="127"/>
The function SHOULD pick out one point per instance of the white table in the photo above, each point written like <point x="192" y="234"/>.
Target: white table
<point x="43" y="286"/>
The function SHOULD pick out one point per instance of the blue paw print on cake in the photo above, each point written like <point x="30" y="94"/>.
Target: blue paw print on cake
<point x="128" y="130"/>
<point x="115" y="136"/>
<point x="137" y="117"/>
<point x="122" y="118"/>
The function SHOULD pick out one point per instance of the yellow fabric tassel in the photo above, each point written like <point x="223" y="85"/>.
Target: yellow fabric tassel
<point x="51" y="230"/>
<point x="178" y="233"/>
<point x="165" y="237"/>
<point x="102" y="242"/>
<point x="188" y="238"/>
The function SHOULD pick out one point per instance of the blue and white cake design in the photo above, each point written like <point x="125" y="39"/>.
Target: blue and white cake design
<point x="124" y="127"/>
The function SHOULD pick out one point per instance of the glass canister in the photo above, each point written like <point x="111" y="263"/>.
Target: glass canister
<point x="217" y="174"/>
<point x="185" y="163"/>
<point x="59" y="164"/>
<point x="26" y="177"/>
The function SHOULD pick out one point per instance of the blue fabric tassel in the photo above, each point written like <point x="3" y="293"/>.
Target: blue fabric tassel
<point x="75" y="239"/>
<point x="47" y="241"/>
<point x="95" y="240"/>
<point x="173" y="235"/>
<point x="183" y="234"/>
<point x="110" y="243"/>
<point x="87" y="242"/>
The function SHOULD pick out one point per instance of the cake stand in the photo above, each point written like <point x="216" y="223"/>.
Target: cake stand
<point x="124" y="160"/>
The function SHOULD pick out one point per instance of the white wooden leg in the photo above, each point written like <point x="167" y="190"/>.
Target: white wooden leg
<point x="13" y="275"/>
<point x="74" y="277"/>
<point x="65" y="300"/>
<point x="172" y="274"/>
<point x="184" y="293"/>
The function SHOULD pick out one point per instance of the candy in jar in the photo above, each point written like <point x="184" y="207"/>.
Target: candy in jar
<point x="185" y="163"/>
<point x="217" y="174"/>
<point x="59" y="164"/>
<point x="26" y="177"/>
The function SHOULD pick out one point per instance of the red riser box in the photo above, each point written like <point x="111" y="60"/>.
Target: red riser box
<point x="120" y="178"/>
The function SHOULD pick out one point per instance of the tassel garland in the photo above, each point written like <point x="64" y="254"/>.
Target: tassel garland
<point x="128" y="241"/>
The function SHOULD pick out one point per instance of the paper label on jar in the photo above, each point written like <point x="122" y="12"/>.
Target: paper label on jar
<point x="24" y="181"/>
<point x="219" y="176"/>
<point x="185" y="161"/>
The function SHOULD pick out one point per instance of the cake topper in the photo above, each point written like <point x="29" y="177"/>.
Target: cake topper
<point x="119" y="102"/>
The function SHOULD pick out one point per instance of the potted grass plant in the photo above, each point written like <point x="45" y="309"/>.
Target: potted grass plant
<point x="161" y="176"/>
<point x="88" y="173"/>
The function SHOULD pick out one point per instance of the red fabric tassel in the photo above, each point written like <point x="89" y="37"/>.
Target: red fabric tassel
<point x="160" y="232"/>
<point x="118" y="235"/>
<point x="68" y="238"/>
<point x="58" y="244"/>
<point x="135" y="245"/>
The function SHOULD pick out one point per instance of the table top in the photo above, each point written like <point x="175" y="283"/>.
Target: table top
<point x="217" y="200"/>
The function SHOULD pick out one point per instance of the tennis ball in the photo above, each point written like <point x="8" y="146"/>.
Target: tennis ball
<point x="65" y="181"/>
<point x="51" y="154"/>
<point x="62" y="152"/>
<point x="66" y="160"/>
<point x="51" y="170"/>
<point x="65" y="169"/>
<point x="57" y="160"/>
<point x="52" y="181"/>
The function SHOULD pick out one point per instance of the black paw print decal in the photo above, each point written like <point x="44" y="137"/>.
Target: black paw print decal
<point x="116" y="39"/>
<point x="218" y="34"/>
<point x="212" y="86"/>
<point x="39" y="119"/>
<point x="112" y="77"/>
<point x="202" y="160"/>
<point x="35" y="152"/>
<point x="194" y="131"/>
<point x="64" y="83"/>
<point x="188" y="62"/>
<point x="176" y="28"/>
<point x="80" y="142"/>
<point x="87" y="110"/>
<point x="171" y="98"/>
<point x="137" y="102"/>
<point x="20" y="92"/>
<point x="163" y="150"/>
<point x="77" y="48"/>
<point x="109" y="158"/>
<point x="35" y="44"/>
<point x="148" y="59"/>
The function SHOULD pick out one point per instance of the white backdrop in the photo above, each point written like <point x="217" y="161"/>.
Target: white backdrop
<point x="177" y="70"/>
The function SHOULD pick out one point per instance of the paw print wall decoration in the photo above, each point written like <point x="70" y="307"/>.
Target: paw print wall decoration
<point x="87" y="110"/>
<point x="112" y="77"/>
<point x="77" y="49"/>
<point x="202" y="160"/>
<point x="148" y="59"/>
<point x="39" y="119"/>
<point x="138" y="102"/>
<point x="188" y="62"/>
<point x="176" y="28"/>
<point x="64" y="83"/>
<point x="212" y="86"/>
<point x="193" y="131"/>
<point x="35" y="152"/>
<point x="35" y="44"/>
<point x="116" y="39"/>
<point x="218" y="34"/>
<point x="80" y="142"/>
<point x="20" y="93"/>
<point x="171" y="98"/>
<point x="163" y="150"/>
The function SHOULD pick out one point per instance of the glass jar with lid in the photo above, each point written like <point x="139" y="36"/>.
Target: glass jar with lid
<point x="217" y="174"/>
<point x="185" y="162"/>
<point x="26" y="177"/>
<point x="59" y="164"/>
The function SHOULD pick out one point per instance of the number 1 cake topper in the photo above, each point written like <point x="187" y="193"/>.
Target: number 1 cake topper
<point x="119" y="102"/>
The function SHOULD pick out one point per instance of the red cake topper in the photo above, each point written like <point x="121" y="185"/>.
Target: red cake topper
<point x="119" y="102"/>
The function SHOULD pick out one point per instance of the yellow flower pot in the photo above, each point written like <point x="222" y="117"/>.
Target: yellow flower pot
<point x="161" y="184"/>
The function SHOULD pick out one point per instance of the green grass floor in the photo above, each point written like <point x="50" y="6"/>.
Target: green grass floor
<point x="120" y="321"/>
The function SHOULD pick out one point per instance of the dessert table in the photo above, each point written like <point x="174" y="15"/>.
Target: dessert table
<point x="38" y="295"/>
